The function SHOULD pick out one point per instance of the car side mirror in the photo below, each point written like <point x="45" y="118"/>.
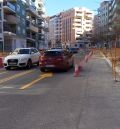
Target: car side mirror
<point x="32" y="52"/>
<point x="10" y="53"/>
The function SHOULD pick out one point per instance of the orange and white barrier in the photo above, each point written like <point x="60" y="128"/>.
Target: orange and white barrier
<point x="1" y="62"/>
<point x="79" y="62"/>
<point x="77" y="71"/>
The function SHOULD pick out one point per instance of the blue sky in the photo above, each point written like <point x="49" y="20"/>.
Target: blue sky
<point x="56" y="6"/>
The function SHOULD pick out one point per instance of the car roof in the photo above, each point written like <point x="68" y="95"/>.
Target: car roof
<point x="56" y="50"/>
<point x="26" y="48"/>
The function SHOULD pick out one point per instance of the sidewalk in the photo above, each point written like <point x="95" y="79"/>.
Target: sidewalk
<point x="101" y="105"/>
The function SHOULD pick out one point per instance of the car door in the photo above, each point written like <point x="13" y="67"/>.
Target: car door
<point x="69" y="58"/>
<point x="37" y="55"/>
<point x="66" y="58"/>
<point x="32" y="55"/>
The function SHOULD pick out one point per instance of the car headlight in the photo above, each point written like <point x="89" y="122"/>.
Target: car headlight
<point x="5" y="60"/>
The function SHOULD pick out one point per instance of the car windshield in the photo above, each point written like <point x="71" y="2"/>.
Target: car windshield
<point x="21" y="51"/>
<point x="53" y="53"/>
<point x="74" y="49"/>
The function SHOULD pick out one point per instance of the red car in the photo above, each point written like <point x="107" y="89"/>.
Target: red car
<point x="56" y="59"/>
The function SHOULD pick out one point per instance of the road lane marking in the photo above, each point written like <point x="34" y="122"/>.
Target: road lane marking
<point x="37" y="80"/>
<point x="15" y="76"/>
<point x="6" y="87"/>
<point x="3" y="72"/>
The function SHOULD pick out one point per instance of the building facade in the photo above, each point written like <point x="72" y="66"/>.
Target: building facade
<point x="77" y="26"/>
<point x="18" y="24"/>
<point x="72" y="27"/>
<point x="55" y="30"/>
<point x="103" y="18"/>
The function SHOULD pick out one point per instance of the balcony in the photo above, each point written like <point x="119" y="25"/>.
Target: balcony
<point x="9" y="31"/>
<point x="11" y="19"/>
<point x="79" y="15"/>
<point x="8" y="7"/>
<point x="32" y="27"/>
<point x="40" y="11"/>
<point x="31" y="37"/>
<point x="33" y="11"/>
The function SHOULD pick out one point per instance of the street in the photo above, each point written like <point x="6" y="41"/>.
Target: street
<point x="30" y="99"/>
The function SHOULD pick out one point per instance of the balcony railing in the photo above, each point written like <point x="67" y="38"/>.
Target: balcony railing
<point x="32" y="26"/>
<point x="32" y="37"/>
<point x="9" y="31"/>
<point x="11" y="19"/>
<point x="32" y="10"/>
<point x="9" y="5"/>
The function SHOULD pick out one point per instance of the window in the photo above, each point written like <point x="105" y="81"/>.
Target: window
<point x="18" y="8"/>
<point x="35" y="50"/>
<point x="0" y="15"/>
<point x="24" y="31"/>
<point x="23" y="12"/>
<point x="18" y="18"/>
<point x="23" y="20"/>
<point x="0" y="27"/>
<point x="18" y="28"/>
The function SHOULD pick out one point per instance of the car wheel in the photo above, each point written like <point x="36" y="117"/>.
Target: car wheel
<point x="7" y="68"/>
<point x="29" y="64"/>
<point x="42" y="69"/>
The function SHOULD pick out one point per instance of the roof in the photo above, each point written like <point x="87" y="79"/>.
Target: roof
<point x="56" y="50"/>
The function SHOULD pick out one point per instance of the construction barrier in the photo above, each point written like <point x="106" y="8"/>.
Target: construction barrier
<point x="1" y="62"/>
<point x="80" y="59"/>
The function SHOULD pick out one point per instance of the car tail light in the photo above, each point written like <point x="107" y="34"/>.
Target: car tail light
<point x="42" y="58"/>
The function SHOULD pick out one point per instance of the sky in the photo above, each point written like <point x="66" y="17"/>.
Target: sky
<point x="55" y="6"/>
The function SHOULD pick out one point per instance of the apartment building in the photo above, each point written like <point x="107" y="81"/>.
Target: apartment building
<point x="77" y="26"/>
<point x="13" y="33"/>
<point x="18" y="24"/>
<point x="42" y="26"/>
<point x="96" y="26"/>
<point x="72" y="27"/>
<point x="108" y="21"/>
<point x="55" y="30"/>
<point x="103" y="14"/>
<point x="31" y="24"/>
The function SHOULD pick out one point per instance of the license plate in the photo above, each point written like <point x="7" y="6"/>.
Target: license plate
<point x="12" y="63"/>
<point x="51" y="66"/>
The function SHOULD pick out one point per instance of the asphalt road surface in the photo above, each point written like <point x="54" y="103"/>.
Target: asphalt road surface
<point x="30" y="99"/>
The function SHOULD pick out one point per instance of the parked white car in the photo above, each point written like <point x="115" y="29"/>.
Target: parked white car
<point x="22" y="57"/>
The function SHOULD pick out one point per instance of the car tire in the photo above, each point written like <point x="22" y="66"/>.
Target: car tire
<point x="29" y="64"/>
<point x="42" y="69"/>
<point x="7" y="68"/>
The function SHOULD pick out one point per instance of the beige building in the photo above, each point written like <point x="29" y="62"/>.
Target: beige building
<point x="72" y="27"/>
<point x="76" y="26"/>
